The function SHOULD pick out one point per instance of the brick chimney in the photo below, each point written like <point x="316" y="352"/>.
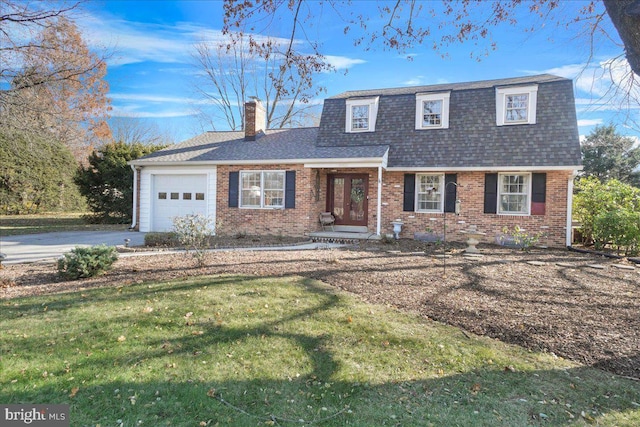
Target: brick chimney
<point x="254" y="119"/>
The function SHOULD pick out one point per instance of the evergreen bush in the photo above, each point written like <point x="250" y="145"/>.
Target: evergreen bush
<point x="87" y="262"/>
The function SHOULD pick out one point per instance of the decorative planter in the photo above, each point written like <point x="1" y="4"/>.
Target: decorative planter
<point x="397" y="228"/>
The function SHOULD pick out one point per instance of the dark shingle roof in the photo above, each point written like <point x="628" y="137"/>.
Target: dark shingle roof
<point x="473" y="139"/>
<point x="273" y="145"/>
<point x="481" y="84"/>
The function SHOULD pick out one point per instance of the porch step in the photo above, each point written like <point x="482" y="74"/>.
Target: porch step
<point x="341" y="237"/>
<point x="350" y="229"/>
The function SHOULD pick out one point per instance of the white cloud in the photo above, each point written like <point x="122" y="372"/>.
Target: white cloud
<point x="414" y="81"/>
<point x="134" y="42"/>
<point x="131" y="111"/>
<point x="151" y="98"/>
<point x="589" y="122"/>
<point x="342" y="62"/>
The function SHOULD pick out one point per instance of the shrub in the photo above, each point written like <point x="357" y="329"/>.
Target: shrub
<point x="520" y="237"/>
<point x="194" y="232"/>
<point x="620" y="229"/>
<point x="165" y="240"/>
<point x="87" y="262"/>
<point x="594" y="198"/>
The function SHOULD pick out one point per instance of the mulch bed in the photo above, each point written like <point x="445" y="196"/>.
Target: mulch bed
<point x="576" y="311"/>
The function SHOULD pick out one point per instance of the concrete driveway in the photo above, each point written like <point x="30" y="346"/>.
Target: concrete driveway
<point x="50" y="246"/>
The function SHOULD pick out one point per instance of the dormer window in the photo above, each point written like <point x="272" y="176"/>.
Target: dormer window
<point x="432" y="111"/>
<point x="516" y="105"/>
<point x="361" y="115"/>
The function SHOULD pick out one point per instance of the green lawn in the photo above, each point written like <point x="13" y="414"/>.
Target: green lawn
<point x="13" y="225"/>
<point x="247" y="351"/>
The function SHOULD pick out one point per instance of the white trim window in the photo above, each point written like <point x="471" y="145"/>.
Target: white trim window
<point x="514" y="193"/>
<point x="429" y="194"/>
<point x="262" y="189"/>
<point x="432" y="111"/>
<point x="516" y="105"/>
<point x="361" y="115"/>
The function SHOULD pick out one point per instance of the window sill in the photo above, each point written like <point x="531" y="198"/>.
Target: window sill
<point x="514" y="213"/>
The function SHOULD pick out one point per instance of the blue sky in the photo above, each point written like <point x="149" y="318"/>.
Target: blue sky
<point x="151" y="71"/>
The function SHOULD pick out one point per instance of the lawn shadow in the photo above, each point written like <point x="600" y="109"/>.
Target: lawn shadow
<point x="171" y="390"/>
<point x="491" y="396"/>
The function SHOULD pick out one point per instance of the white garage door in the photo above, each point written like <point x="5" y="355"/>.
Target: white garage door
<point x="177" y="195"/>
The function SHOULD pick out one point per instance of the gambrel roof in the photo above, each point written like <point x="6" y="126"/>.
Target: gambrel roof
<point x="472" y="140"/>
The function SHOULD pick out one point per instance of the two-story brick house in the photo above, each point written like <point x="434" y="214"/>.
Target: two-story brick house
<point x="507" y="150"/>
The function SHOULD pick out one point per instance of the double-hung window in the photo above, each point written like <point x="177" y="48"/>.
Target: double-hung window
<point x="262" y="189"/>
<point x="432" y="111"/>
<point x="361" y="115"/>
<point x="516" y="105"/>
<point x="514" y="192"/>
<point x="516" y="108"/>
<point x="429" y="194"/>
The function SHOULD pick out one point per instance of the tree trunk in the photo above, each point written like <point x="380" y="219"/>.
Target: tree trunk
<point x="625" y="15"/>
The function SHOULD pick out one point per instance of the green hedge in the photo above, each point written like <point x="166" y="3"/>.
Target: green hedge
<point x="609" y="214"/>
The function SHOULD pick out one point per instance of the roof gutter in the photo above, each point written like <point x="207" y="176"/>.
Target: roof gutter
<point x="574" y="168"/>
<point x="315" y="163"/>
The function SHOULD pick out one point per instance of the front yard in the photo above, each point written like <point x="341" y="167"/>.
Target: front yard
<point x="257" y="337"/>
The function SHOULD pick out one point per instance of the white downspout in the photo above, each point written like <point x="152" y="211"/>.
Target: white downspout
<point x="135" y="196"/>
<point x="379" y="207"/>
<point x="569" y="226"/>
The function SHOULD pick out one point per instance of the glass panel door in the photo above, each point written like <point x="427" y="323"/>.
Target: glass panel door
<point x="338" y="199"/>
<point x="357" y="200"/>
<point x="347" y="198"/>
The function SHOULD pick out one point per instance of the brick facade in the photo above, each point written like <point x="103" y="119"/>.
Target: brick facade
<point x="311" y="199"/>
<point x="471" y="195"/>
<point x="287" y="222"/>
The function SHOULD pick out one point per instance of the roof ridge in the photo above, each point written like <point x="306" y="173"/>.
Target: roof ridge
<point x="473" y="84"/>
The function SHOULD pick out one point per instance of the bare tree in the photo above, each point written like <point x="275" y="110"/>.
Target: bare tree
<point x="132" y="130"/>
<point x="401" y="25"/>
<point x="243" y="67"/>
<point x="56" y="85"/>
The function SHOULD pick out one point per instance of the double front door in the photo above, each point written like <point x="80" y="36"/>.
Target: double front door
<point x="347" y="198"/>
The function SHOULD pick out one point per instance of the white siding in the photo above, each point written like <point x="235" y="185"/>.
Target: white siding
<point x="148" y="192"/>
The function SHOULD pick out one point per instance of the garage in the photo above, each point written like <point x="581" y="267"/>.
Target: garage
<point x="176" y="195"/>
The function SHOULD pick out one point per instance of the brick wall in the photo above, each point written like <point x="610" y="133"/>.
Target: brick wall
<point x="471" y="196"/>
<point x="288" y="222"/>
<point x="311" y="196"/>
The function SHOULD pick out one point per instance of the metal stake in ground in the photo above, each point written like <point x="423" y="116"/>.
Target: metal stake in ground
<point x="444" y="226"/>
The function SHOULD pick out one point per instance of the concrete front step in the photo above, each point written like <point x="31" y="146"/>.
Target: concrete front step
<point x="340" y="236"/>
<point x="350" y="229"/>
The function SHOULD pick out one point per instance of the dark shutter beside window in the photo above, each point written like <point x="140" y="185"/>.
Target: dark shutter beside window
<point x="538" y="193"/>
<point x="490" y="192"/>
<point x="409" y="200"/>
<point x="451" y="192"/>
<point x="234" y="184"/>
<point x="290" y="190"/>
